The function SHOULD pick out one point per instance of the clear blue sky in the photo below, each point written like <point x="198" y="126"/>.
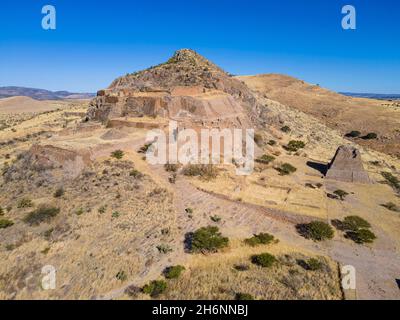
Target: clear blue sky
<point x="96" y="41"/>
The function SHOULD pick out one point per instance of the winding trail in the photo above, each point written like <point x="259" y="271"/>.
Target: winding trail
<point x="376" y="267"/>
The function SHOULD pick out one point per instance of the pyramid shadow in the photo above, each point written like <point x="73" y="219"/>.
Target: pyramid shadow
<point x="321" y="167"/>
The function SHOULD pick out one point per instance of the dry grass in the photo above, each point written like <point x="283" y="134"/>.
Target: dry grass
<point x="215" y="277"/>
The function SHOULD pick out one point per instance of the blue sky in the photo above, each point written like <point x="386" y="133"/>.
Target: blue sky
<point x="96" y="41"/>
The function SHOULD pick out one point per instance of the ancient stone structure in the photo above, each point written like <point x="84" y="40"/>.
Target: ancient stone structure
<point x="347" y="166"/>
<point x="187" y="88"/>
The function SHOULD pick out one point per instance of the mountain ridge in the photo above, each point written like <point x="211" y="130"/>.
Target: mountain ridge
<point x="41" y="94"/>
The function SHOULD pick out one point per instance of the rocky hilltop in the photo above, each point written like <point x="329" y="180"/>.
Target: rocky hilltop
<point x="187" y="86"/>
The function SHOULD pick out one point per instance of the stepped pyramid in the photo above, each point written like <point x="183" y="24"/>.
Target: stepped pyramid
<point x="347" y="166"/>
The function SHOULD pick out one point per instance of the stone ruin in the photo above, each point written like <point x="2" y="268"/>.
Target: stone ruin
<point x="347" y="166"/>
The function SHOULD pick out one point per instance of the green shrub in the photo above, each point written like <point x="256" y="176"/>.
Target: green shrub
<point x="164" y="248"/>
<point x="243" y="296"/>
<point x="42" y="214"/>
<point x="391" y="180"/>
<point x="316" y="230"/>
<point x="354" y="223"/>
<point x="155" y="288"/>
<point x="370" y="136"/>
<point x="265" y="159"/>
<point x="79" y="212"/>
<point x="286" y="169"/>
<point x="25" y="203"/>
<point x="171" y="167"/>
<point x="295" y="145"/>
<point x="215" y="218"/>
<point x="353" y="134"/>
<point x="173" y="272"/>
<point x="121" y="275"/>
<point x="59" y="192"/>
<point x="136" y="174"/>
<point x="258" y="239"/>
<point x="189" y="210"/>
<point x="286" y="129"/>
<point x="5" y="223"/>
<point x="271" y="142"/>
<point x="208" y="239"/>
<point x="391" y="206"/>
<point x="102" y="209"/>
<point x="264" y="260"/>
<point x="116" y="214"/>
<point x="1" y="211"/>
<point x="341" y="194"/>
<point x="117" y="154"/>
<point x="361" y="236"/>
<point x="314" y="264"/>
<point x="205" y="171"/>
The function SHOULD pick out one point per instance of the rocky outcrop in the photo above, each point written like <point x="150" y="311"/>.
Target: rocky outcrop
<point x="347" y="166"/>
<point x="187" y="86"/>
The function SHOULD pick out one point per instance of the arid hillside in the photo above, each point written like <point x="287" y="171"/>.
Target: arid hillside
<point x="337" y="111"/>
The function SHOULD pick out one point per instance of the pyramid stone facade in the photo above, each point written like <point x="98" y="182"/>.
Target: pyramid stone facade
<point x="347" y="166"/>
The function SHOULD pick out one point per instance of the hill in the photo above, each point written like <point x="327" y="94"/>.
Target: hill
<point x="41" y="94"/>
<point x="337" y="111"/>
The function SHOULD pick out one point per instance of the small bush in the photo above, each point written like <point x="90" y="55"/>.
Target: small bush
<point x="1" y="211"/>
<point x="171" y="167"/>
<point x="189" y="210"/>
<point x="264" y="260"/>
<point x="116" y="214"/>
<point x="361" y="236"/>
<point x="370" y="136"/>
<point x="208" y="239"/>
<point x="42" y="214"/>
<point x="173" y="272"/>
<point x="243" y="296"/>
<point x="5" y="223"/>
<point x="265" y="159"/>
<point x="295" y="145"/>
<point x="136" y="174"/>
<point x="205" y="171"/>
<point x="286" y="129"/>
<point x="391" y="180"/>
<point x="354" y="223"/>
<point x="102" y="209"/>
<point x="164" y="248"/>
<point x="121" y="275"/>
<point x="272" y="142"/>
<point x="286" y="169"/>
<point x="155" y="288"/>
<point x="215" y="218"/>
<point x="353" y="134"/>
<point x="341" y="194"/>
<point x="25" y="203"/>
<point x="258" y="239"/>
<point x="316" y="230"/>
<point x="241" y="267"/>
<point x="79" y="212"/>
<point x="117" y="154"/>
<point x="391" y="206"/>
<point x="311" y="264"/>
<point x="59" y="192"/>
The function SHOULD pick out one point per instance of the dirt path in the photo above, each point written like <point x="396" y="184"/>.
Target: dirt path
<point x="376" y="268"/>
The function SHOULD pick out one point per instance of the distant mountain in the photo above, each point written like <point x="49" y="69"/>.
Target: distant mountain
<point x="373" y="96"/>
<point x="42" y="94"/>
